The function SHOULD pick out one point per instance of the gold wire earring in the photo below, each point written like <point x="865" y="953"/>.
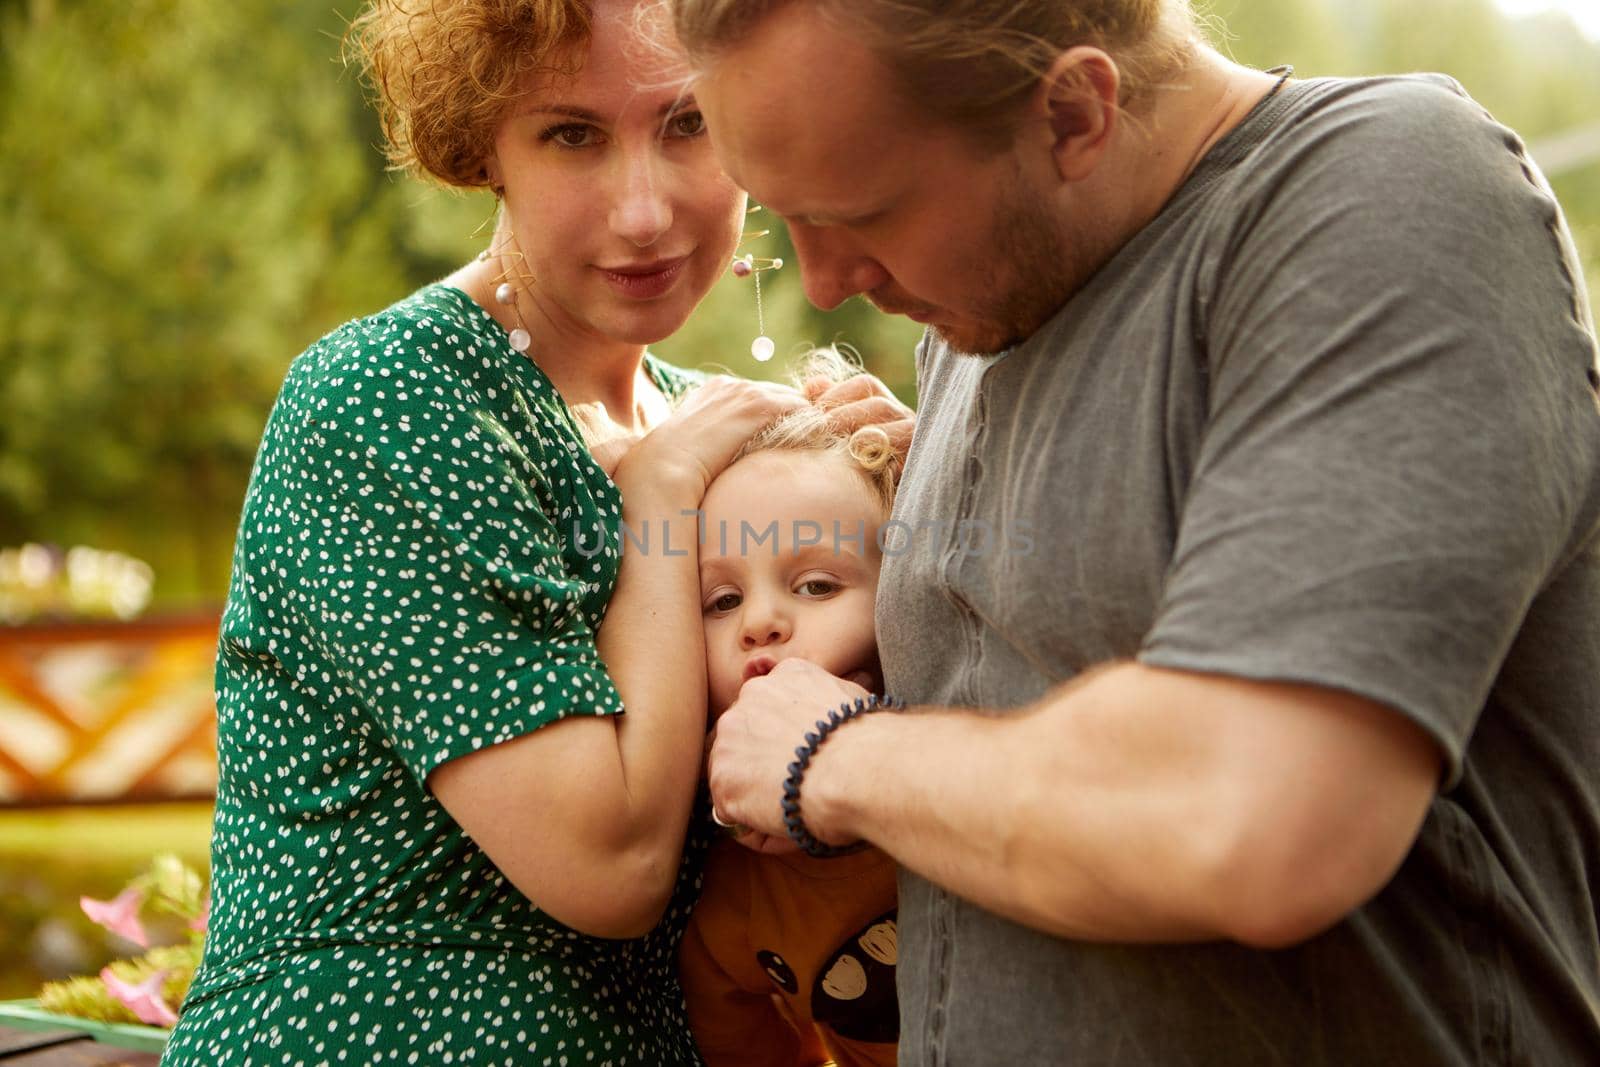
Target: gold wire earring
<point x="505" y="294"/>
<point x="748" y="266"/>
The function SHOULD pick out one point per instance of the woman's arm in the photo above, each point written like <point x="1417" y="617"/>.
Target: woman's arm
<point x="587" y="816"/>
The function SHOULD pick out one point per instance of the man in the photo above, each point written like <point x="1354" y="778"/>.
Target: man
<point x="1262" y="729"/>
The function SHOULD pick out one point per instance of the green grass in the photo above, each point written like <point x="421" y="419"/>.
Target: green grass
<point x="51" y="856"/>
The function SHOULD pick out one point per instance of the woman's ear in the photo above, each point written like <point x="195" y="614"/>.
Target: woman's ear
<point x="1079" y="95"/>
<point x="492" y="177"/>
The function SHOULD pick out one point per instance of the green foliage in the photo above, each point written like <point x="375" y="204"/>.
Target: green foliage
<point x="168" y="887"/>
<point x="189" y="198"/>
<point x="1539" y="75"/>
<point x="86" y="997"/>
<point x="191" y="193"/>
<point x="49" y="857"/>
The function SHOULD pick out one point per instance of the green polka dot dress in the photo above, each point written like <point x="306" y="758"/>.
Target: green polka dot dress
<point x="425" y="554"/>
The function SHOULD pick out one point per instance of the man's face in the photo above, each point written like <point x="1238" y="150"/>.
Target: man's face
<point x="878" y="200"/>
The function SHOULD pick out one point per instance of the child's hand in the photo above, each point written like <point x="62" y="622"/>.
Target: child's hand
<point x="756" y="841"/>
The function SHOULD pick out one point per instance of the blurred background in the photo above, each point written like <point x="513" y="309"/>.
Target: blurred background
<point x="190" y="193"/>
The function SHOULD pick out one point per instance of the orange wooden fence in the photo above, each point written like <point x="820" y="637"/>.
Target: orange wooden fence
<point x="107" y="711"/>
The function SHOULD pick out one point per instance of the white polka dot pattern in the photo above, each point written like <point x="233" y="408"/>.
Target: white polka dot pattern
<point x="425" y="554"/>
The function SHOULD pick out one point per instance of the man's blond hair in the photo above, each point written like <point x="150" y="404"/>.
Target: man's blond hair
<point x="970" y="63"/>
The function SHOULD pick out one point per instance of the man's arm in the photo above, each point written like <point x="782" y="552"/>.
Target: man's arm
<point x="1135" y="804"/>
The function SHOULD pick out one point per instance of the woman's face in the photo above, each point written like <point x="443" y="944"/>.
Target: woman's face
<point x="621" y="210"/>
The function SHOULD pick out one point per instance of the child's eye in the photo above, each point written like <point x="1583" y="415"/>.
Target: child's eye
<point x="686" y="124"/>
<point x="572" y="135"/>
<point x="726" y="602"/>
<point x="818" y="587"/>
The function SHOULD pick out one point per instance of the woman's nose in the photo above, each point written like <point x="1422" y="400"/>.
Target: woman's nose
<point x="642" y="211"/>
<point x="830" y="270"/>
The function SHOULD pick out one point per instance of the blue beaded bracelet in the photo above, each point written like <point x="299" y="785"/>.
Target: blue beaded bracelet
<point x="791" y="785"/>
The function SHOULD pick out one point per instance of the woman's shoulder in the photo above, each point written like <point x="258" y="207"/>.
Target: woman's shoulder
<point x="435" y="341"/>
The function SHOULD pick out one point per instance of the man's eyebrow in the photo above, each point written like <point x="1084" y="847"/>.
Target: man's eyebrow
<point x="834" y="218"/>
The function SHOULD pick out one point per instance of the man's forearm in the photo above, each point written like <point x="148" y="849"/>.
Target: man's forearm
<point x="981" y="806"/>
<point x="1136" y="806"/>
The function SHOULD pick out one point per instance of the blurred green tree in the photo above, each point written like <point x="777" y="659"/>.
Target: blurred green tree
<point x="186" y="200"/>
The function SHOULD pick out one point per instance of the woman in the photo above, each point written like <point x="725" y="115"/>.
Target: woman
<point x="437" y="838"/>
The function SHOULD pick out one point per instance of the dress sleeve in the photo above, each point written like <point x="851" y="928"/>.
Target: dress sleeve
<point x="419" y="549"/>
<point x="1400" y="446"/>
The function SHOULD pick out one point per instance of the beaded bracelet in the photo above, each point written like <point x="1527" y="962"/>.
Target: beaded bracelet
<point x="791" y="785"/>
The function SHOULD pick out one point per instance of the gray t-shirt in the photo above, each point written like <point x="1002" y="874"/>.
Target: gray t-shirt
<point x="1330" y="418"/>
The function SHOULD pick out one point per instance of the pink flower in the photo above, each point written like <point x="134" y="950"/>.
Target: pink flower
<point x="201" y="921"/>
<point x="144" y="999"/>
<point x="120" y="916"/>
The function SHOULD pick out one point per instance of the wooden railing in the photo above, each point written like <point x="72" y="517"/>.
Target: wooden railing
<point x="107" y="711"/>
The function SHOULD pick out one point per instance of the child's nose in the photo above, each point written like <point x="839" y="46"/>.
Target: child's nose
<point x="762" y="629"/>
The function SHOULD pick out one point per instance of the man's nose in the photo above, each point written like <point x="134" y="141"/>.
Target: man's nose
<point x="642" y="210"/>
<point x="831" y="271"/>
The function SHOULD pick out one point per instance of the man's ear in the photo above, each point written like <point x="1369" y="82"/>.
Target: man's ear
<point x="1079" y="96"/>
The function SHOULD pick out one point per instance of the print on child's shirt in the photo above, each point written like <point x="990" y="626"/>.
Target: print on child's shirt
<point x="854" y="993"/>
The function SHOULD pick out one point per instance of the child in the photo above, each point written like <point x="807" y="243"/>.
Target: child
<point x="790" y="960"/>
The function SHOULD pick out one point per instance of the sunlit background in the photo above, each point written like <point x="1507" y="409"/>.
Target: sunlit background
<point x="190" y="193"/>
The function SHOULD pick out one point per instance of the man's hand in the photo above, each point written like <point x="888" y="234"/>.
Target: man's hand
<point x="864" y="401"/>
<point x="755" y="742"/>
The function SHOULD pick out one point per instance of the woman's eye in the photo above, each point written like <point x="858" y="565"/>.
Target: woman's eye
<point x="818" y="587"/>
<point x="572" y="135"/>
<point x="686" y="124"/>
<point x="726" y="602"/>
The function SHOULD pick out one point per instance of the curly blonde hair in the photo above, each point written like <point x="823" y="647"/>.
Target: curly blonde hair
<point x="443" y="71"/>
<point x="810" y="429"/>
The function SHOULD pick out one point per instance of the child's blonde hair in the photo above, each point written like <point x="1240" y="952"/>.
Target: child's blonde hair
<point x="811" y="429"/>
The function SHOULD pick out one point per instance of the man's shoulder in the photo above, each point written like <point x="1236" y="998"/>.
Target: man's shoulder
<point x="1372" y="150"/>
<point x="1409" y="112"/>
<point x="1423" y="86"/>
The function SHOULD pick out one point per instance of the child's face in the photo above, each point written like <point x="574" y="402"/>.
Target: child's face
<point x="775" y="581"/>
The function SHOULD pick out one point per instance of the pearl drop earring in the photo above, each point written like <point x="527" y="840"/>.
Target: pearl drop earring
<point x="746" y="266"/>
<point x="505" y="294"/>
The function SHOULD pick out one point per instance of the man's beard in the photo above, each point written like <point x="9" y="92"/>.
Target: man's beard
<point x="1032" y="269"/>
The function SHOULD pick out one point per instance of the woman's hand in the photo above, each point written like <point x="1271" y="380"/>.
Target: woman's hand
<point x="863" y="400"/>
<point x="701" y="437"/>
